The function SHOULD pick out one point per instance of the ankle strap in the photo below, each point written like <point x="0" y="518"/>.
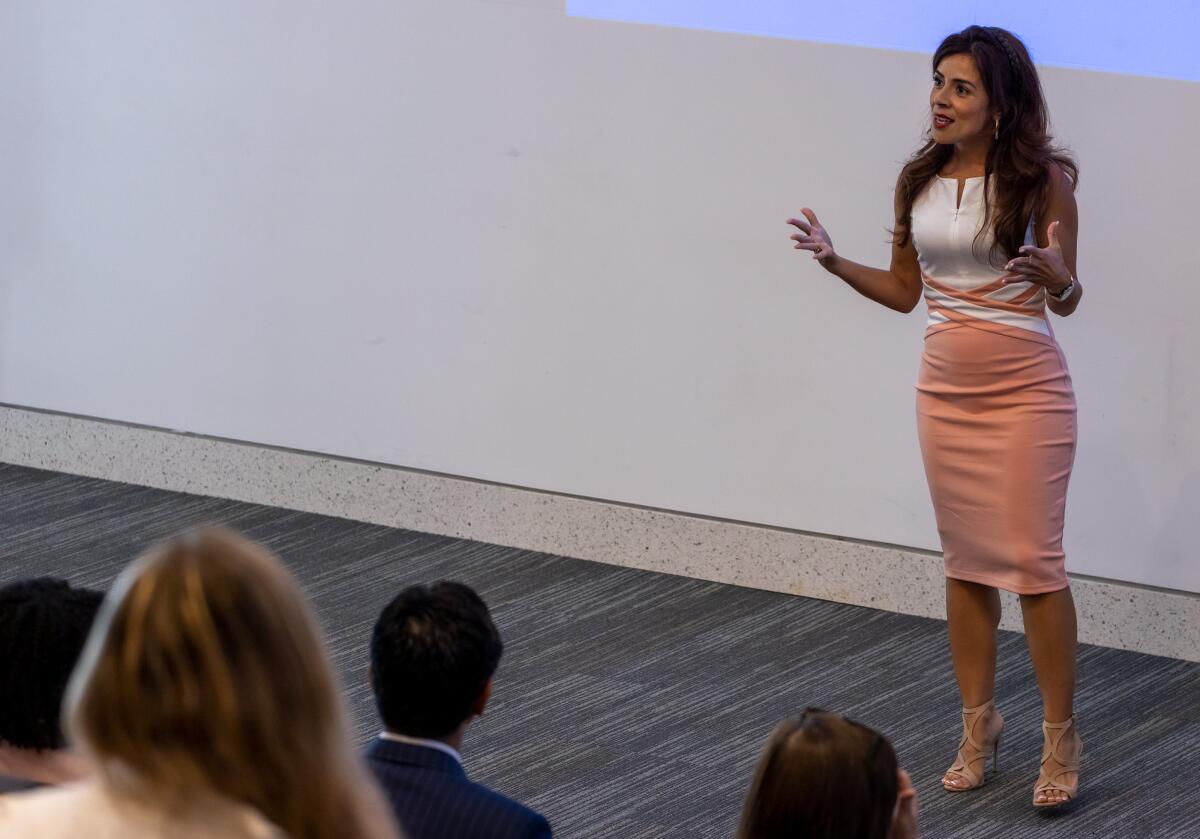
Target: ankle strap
<point x="991" y="703"/>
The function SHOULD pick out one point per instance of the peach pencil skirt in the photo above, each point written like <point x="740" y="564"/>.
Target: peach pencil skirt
<point x="996" y="420"/>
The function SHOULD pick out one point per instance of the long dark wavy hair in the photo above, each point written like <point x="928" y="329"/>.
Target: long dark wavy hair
<point x="1018" y="168"/>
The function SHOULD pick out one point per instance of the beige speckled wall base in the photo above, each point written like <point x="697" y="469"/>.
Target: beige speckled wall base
<point x="1110" y="614"/>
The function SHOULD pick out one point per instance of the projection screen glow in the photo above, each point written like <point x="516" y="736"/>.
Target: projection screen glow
<point x="1158" y="40"/>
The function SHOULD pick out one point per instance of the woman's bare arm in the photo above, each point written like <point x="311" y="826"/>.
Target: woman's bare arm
<point x="898" y="287"/>
<point x="1052" y="263"/>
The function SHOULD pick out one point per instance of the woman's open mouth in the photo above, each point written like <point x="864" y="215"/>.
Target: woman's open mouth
<point x="940" y="121"/>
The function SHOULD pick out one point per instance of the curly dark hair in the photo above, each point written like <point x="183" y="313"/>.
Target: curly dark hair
<point x="44" y="623"/>
<point x="1019" y="165"/>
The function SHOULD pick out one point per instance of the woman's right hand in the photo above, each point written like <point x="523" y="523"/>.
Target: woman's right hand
<point x="812" y="237"/>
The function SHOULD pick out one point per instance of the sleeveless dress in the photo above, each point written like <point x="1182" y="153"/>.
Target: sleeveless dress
<point x="995" y="406"/>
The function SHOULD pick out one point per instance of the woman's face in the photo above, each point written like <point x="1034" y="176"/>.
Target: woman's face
<point x="958" y="102"/>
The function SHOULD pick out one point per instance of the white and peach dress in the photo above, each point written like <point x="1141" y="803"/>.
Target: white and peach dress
<point x="995" y="406"/>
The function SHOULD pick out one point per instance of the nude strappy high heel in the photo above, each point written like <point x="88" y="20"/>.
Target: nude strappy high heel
<point x="982" y="727"/>
<point x="1060" y="743"/>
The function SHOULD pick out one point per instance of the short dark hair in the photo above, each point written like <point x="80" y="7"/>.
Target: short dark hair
<point x="822" y="776"/>
<point x="44" y="623"/>
<point x="433" y="651"/>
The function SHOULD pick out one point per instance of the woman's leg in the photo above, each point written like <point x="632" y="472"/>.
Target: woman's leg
<point x="1051" y="633"/>
<point x="972" y="615"/>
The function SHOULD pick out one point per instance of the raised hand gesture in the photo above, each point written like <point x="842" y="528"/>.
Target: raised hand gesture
<point x="1044" y="266"/>
<point x="812" y="237"/>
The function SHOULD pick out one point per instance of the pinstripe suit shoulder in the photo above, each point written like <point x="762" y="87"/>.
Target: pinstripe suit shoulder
<point x="434" y="799"/>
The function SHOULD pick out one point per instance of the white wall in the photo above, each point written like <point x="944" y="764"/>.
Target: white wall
<point x="487" y="239"/>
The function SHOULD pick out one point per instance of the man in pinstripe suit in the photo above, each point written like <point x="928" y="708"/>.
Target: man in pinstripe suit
<point x="433" y="653"/>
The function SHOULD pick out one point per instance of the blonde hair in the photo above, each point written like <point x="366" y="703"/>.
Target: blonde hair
<point x="206" y="673"/>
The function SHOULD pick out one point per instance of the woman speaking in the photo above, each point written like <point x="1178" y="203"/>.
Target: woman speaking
<point x="986" y="228"/>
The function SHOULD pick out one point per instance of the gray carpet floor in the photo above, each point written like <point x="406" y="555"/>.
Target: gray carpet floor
<point x="633" y="704"/>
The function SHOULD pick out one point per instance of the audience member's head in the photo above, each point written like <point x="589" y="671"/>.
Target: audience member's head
<point x="44" y="623"/>
<point x="824" y="777"/>
<point x="433" y="653"/>
<point x="206" y="676"/>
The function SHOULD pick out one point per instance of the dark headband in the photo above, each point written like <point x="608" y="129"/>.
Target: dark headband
<point x="997" y="37"/>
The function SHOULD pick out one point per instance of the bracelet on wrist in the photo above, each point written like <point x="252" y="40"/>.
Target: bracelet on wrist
<point x="1064" y="295"/>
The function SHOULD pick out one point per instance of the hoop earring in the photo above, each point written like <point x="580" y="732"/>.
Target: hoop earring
<point x="996" y="136"/>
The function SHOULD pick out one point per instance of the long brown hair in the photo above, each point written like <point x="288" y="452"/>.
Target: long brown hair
<point x="1017" y="171"/>
<point x="206" y="675"/>
<point x="822" y="776"/>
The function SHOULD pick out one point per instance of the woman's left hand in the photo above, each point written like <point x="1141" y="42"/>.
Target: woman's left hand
<point x="1044" y="266"/>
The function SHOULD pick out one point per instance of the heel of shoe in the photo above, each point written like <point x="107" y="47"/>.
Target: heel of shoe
<point x="970" y="764"/>
<point x="996" y="753"/>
